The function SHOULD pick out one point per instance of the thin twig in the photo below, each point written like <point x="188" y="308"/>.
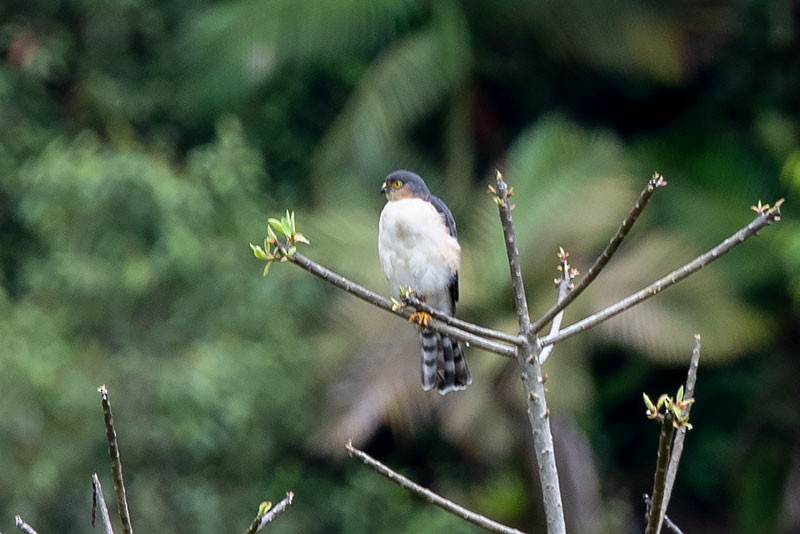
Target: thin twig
<point x="667" y="281"/>
<point x="99" y="502"/>
<point x="644" y="198"/>
<point x="261" y="520"/>
<point x="116" y="462"/>
<point x="667" y="521"/>
<point x="382" y="302"/>
<point x="512" y="253"/>
<point x="664" y="446"/>
<point x="472" y="328"/>
<point x="531" y="372"/>
<point x="428" y="495"/>
<point x="23" y="526"/>
<point x="677" y="446"/>
<point x="672" y="526"/>
<point x="564" y="282"/>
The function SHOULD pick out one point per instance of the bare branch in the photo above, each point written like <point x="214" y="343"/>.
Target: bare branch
<point x="23" y="526"/>
<point x="478" y="330"/>
<point x="382" y="302"/>
<point x="564" y="283"/>
<point x="428" y="495"/>
<point x="644" y="198"/>
<point x="262" y="520"/>
<point x="99" y="502"/>
<point x="667" y="521"/>
<point x="664" y="446"/>
<point x="764" y="219"/>
<point x="116" y="462"/>
<point x="531" y="373"/>
<point x="510" y="237"/>
<point x="677" y="446"/>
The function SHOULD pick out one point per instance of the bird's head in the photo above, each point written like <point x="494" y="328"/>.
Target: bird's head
<point x="404" y="184"/>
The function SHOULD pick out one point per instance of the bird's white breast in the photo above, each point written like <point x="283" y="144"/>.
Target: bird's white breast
<point x="417" y="250"/>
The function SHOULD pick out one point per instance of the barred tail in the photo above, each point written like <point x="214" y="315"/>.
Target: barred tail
<point x="455" y="371"/>
<point x="429" y="342"/>
<point x="443" y="363"/>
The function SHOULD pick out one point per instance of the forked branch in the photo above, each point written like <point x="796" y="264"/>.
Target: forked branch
<point x="765" y="218"/>
<point x="531" y="371"/>
<point x="673" y="414"/>
<point x="526" y="347"/>
<point x="664" y="447"/>
<point x="386" y="304"/>
<point x="472" y="328"/>
<point x="667" y="521"/>
<point x="644" y="198"/>
<point x="680" y="435"/>
<point x="281" y="246"/>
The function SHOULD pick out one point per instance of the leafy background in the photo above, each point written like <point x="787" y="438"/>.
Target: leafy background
<point x="143" y="144"/>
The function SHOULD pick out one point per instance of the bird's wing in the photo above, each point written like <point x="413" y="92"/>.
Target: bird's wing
<point x="442" y="208"/>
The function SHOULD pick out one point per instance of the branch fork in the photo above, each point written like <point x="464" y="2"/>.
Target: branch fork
<point x="528" y="347"/>
<point x="671" y="445"/>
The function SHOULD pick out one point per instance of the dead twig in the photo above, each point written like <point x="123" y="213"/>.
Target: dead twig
<point x="428" y="495"/>
<point x="563" y="282"/>
<point x="677" y="446"/>
<point x="23" y="526"/>
<point x="99" y="503"/>
<point x="765" y="218"/>
<point x="667" y="521"/>
<point x="644" y="198"/>
<point x="268" y="515"/>
<point x="116" y="462"/>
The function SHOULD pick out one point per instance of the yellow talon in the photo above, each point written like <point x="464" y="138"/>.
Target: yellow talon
<point x="419" y="317"/>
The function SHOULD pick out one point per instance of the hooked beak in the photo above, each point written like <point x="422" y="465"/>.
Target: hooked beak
<point x="384" y="188"/>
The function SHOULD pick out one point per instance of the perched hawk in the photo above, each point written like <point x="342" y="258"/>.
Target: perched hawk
<point x="418" y="248"/>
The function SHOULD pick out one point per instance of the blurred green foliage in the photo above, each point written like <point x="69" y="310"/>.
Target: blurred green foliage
<point x="144" y="144"/>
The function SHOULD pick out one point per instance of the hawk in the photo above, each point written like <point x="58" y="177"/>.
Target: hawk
<point x="418" y="248"/>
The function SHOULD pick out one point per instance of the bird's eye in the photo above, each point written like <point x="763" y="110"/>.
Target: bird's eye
<point x="396" y="184"/>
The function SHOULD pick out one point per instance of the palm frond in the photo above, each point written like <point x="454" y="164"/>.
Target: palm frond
<point x="379" y="386"/>
<point x="405" y="84"/>
<point x="230" y="48"/>
<point x="571" y="188"/>
<point x="661" y="328"/>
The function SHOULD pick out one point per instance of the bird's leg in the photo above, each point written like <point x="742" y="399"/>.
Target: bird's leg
<point x="419" y="317"/>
